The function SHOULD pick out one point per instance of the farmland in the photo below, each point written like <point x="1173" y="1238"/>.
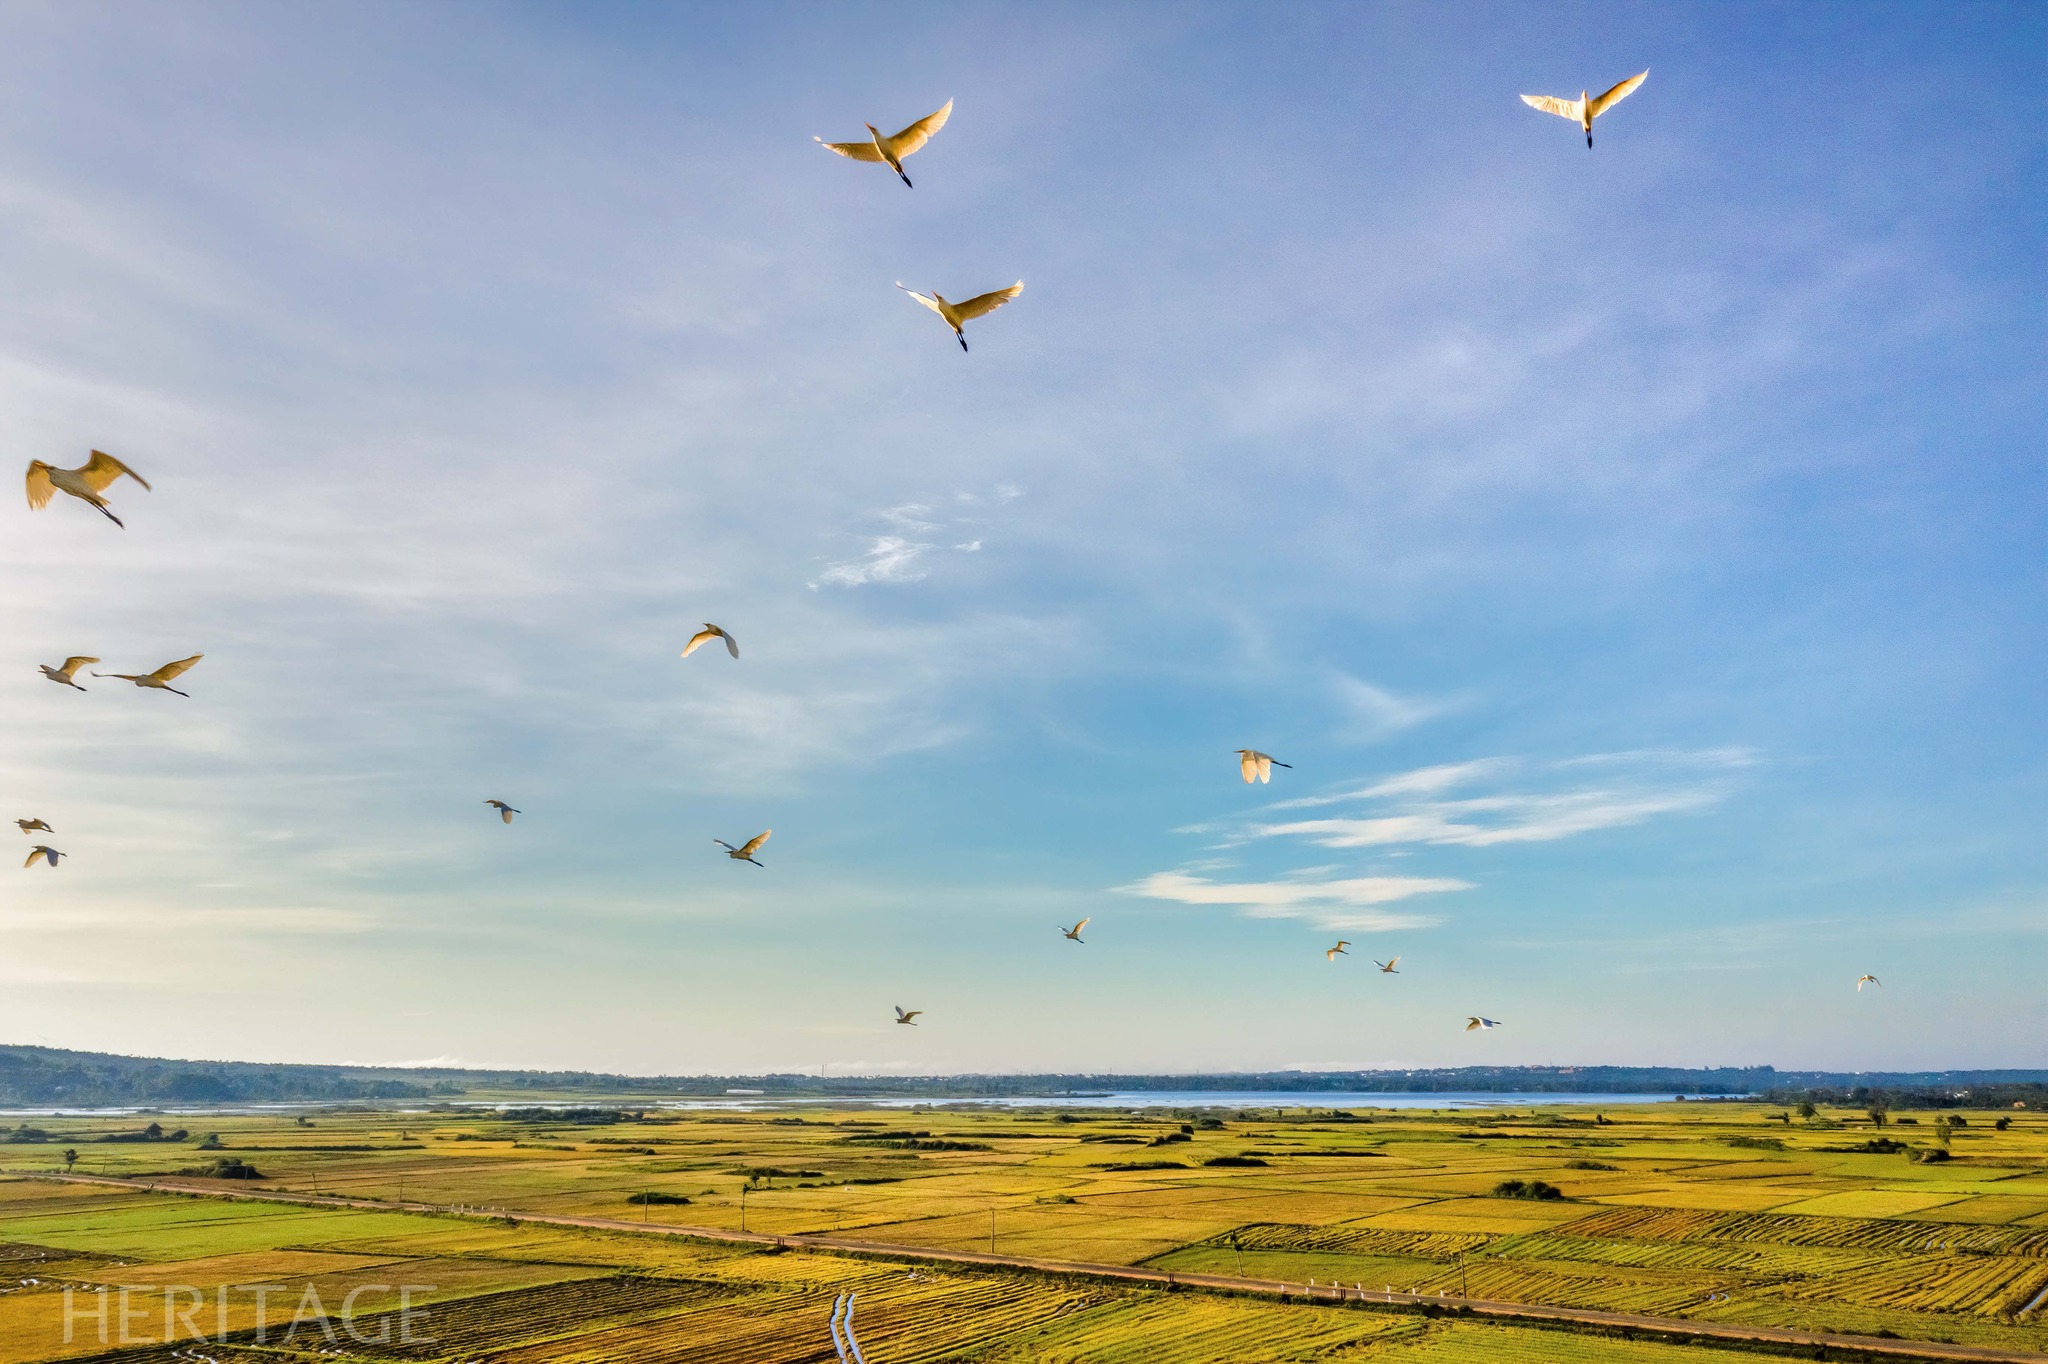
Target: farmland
<point x="1710" y="1212"/>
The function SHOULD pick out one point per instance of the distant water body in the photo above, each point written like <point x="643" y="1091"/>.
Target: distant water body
<point x="1276" y="1098"/>
<point x="1148" y="1098"/>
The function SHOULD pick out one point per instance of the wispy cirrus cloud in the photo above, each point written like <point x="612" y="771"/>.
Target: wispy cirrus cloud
<point x="1346" y="903"/>
<point x="1417" y="808"/>
<point x="918" y="532"/>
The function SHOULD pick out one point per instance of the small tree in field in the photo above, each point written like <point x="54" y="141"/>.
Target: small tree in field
<point x="70" y="1158"/>
<point x="1807" y="1110"/>
<point x="1879" y="1116"/>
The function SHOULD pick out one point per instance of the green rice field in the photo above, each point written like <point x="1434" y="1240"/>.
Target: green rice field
<point x="1705" y="1211"/>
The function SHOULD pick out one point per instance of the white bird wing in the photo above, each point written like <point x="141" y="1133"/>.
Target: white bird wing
<point x="1084" y="923"/>
<point x="752" y="845"/>
<point x="732" y="646"/>
<point x="1248" y="763"/>
<point x="852" y="151"/>
<point x="1602" y="103"/>
<point x="1392" y="962"/>
<point x="40" y="489"/>
<point x="1551" y="104"/>
<point x="931" y="303"/>
<point x="170" y="671"/>
<point x="1472" y="1023"/>
<point x="505" y="812"/>
<point x="1265" y="768"/>
<point x="74" y="664"/>
<point x="920" y="132"/>
<point x="705" y="636"/>
<point x="102" y="469"/>
<point x="987" y="303"/>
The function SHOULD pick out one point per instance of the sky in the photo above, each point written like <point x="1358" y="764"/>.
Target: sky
<point x="1637" y="553"/>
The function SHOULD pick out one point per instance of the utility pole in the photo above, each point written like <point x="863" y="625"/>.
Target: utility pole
<point x="743" y="1207"/>
<point x="991" y="1231"/>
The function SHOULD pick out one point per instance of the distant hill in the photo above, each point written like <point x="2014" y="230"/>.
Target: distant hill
<point x="50" y="1078"/>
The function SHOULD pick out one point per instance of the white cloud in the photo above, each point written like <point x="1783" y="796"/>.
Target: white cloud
<point x="889" y="559"/>
<point x="1641" y="786"/>
<point x="1376" y="712"/>
<point x="1344" y="903"/>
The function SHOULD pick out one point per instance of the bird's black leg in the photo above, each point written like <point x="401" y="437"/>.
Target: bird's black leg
<point x="175" y="692"/>
<point x="906" y="180"/>
<point x="962" y="336"/>
<point x="110" y="516"/>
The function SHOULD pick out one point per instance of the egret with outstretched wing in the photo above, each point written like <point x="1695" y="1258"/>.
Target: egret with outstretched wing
<point x="1585" y="108"/>
<point x="1075" y="931"/>
<point x="745" y="851"/>
<point x="1257" y="766"/>
<point x="29" y="826"/>
<point x="85" y="483"/>
<point x="505" y="812"/>
<point x="46" y="852"/>
<point x="706" y="635"/>
<point x="891" y="148"/>
<point x="956" y="313"/>
<point x="1472" y="1023"/>
<point x="1862" y="981"/>
<point x="161" y="679"/>
<point x="1342" y="949"/>
<point x="907" y="1016"/>
<point x="1387" y="967"/>
<point x="71" y="665"/>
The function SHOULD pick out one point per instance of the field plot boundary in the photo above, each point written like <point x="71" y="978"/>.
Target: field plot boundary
<point x="1678" y="1328"/>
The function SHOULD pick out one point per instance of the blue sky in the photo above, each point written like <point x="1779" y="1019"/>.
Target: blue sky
<point x="1638" y="554"/>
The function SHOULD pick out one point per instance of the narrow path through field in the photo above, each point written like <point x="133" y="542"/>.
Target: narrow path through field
<point x="1510" y="1311"/>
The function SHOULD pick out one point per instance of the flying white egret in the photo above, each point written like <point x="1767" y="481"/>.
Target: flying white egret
<point x="1075" y="931"/>
<point x="70" y="666"/>
<point x="29" y="826"/>
<point x="505" y="812"/>
<point x="1472" y="1023"/>
<point x="1340" y="950"/>
<point x="46" y="852"/>
<point x="907" y="1017"/>
<point x="1585" y="109"/>
<point x="706" y="635"/>
<point x="84" y="483"/>
<point x="956" y="313"/>
<point x="1258" y="766"/>
<point x="1387" y="967"/>
<point x="891" y="149"/>
<point x="1862" y="981"/>
<point x="162" y="678"/>
<point x="745" y="851"/>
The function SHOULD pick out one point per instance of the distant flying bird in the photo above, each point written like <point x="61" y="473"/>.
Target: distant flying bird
<point x="706" y="635"/>
<point x="1075" y="931"/>
<point x="1862" y="981"/>
<point x="505" y="812"/>
<point x="893" y="148"/>
<point x="47" y="853"/>
<point x="1339" y="950"/>
<point x="71" y="665"/>
<point x="1476" y="1023"/>
<point x="31" y="825"/>
<point x="160" y="679"/>
<point x="745" y="852"/>
<point x="1387" y="967"/>
<point x="956" y="313"/>
<point x="84" y="483"/>
<point x="906" y="1017"/>
<point x="1584" y="110"/>
<point x="1258" y="766"/>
